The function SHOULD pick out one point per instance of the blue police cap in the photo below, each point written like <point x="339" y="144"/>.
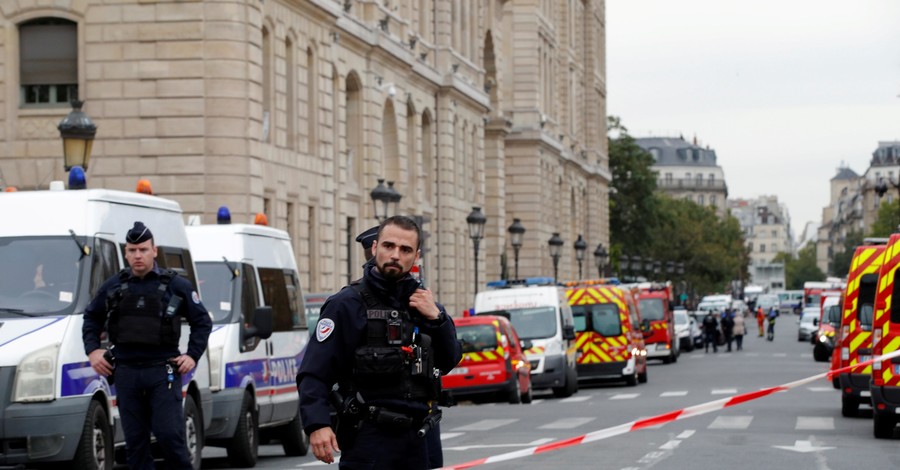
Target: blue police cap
<point x="367" y="238"/>
<point x="138" y="234"/>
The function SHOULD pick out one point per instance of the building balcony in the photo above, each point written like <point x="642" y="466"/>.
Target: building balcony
<point x="690" y="183"/>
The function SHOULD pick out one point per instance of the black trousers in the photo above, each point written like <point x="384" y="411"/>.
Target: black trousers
<point x="147" y="404"/>
<point x="375" y="447"/>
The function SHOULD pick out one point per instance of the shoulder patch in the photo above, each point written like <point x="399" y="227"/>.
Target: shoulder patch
<point x="324" y="329"/>
<point x="195" y="297"/>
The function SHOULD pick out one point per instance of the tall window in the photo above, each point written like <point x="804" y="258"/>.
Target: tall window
<point x="427" y="157"/>
<point x="291" y="93"/>
<point x="48" y="57"/>
<point x="268" y="120"/>
<point x="312" y="104"/>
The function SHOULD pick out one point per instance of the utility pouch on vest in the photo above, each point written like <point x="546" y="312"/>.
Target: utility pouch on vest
<point x="378" y="361"/>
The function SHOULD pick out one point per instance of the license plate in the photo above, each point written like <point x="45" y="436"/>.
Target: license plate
<point x="459" y="371"/>
<point x="897" y="369"/>
<point x="865" y="393"/>
<point x="661" y="347"/>
<point x="864" y="358"/>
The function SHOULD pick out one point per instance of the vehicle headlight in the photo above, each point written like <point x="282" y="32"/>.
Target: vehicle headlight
<point x="215" y="368"/>
<point x="823" y="339"/>
<point x="36" y="376"/>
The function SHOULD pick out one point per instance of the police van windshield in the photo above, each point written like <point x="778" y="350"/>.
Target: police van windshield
<point x="216" y="289"/>
<point x="600" y="318"/>
<point x="530" y="323"/>
<point x="39" y="275"/>
<point x="477" y="338"/>
<point x="651" y="309"/>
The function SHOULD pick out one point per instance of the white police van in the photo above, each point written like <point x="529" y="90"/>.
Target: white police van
<point x="56" y="248"/>
<point x="249" y="283"/>
<point x="540" y="312"/>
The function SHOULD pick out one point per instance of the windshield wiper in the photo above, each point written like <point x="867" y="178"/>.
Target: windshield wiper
<point x="232" y="268"/>
<point x="17" y="311"/>
<point x="81" y="247"/>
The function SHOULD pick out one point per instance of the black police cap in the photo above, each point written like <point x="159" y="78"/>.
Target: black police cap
<point x="138" y="234"/>
<point x="367" y="238"/>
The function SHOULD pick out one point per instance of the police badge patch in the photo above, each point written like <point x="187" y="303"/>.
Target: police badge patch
<point x="195" y="297"/>
<point x="324" y="329"/>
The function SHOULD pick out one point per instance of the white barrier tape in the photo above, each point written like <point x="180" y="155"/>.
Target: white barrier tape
<point x="662" y="419"/>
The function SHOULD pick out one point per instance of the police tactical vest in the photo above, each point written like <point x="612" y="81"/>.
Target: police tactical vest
<point x="396" y="360"/>
<point x="144" y="319"/>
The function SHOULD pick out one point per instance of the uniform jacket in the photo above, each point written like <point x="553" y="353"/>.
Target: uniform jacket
<point x="329" y="359"/>
<point x="95" y="317"/>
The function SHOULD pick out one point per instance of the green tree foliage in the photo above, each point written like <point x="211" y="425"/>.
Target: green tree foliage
<point x="800" y="269"/>
<point x="653" y="225"/>
<point x="840" y="262"/>
<point x="887" y="220"/>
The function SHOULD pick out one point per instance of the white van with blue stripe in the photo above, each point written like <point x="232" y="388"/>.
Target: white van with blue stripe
<point x="56" y="248"/>
<point x="246" y="271"/>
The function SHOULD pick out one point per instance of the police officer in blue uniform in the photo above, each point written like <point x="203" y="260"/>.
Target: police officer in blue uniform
<point x="144" y="306"/>
<point x="385" y="342"/>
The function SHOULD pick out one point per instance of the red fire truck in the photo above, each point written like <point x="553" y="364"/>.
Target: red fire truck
<point x="655" y="304"/>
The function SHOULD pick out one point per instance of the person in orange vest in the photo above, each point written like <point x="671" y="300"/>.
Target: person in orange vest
<point x="760" y="319"/>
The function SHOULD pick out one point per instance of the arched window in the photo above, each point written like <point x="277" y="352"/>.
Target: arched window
<point x="268" y="117"/>
<point x="291" y="85"/>
<point x="336" y="119"/>
<point x="412" y="156"/>
<point x="312" y="100"/>
<point x="48" y="62"/>
<point x="391" y="158"/>
<point x="428" y="163"/>
<point x="354" y="131"/>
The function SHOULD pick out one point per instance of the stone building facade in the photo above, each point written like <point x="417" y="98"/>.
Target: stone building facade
<point x="687" y="171"/>
<point x="766" y="224"/>
<point x="295" y="108"/>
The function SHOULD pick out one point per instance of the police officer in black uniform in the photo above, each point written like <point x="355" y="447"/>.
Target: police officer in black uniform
<point x="385" y="342"/>
<point x="144" y="305"/>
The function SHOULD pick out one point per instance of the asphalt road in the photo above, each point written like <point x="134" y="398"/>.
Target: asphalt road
<point x="799" y="429"/>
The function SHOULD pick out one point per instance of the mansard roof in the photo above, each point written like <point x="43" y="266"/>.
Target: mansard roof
<point x="675" y="151"/>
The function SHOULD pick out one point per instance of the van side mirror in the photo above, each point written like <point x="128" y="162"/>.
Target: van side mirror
<point x="262" y="324"/>
<point x="815" y="322"/>
<point x="526" y="344"/>
<point x="568" y="332"/>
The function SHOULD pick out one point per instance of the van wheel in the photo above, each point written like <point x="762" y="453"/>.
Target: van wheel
<point x="884" y="426"/>
<point x="570" y="387"/>
<point x="642" y="378"/>
<point x="294" y="441"/>
<point x="514" y="394"/>
<point x="528" y="396"/>
<point x="819" y="354"/>
<point x="849" y="406"/>
<point x="835" y="383"/>
<point x="193" y="431"/>
<point x="632" y="379"/>
<point x="244" y="445"/>
<point x="95" y="448"/>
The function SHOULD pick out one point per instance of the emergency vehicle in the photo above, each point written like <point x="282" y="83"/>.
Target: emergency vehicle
<point x="608" y="336"/>
<point x="829" y="322"/>
<point x="655" y="305"/>
<point x="539" y="311"/>
<point x="885" y="385"/>
<point x="854" y="344"/>
<point x="250" y="285"/>
<point x="493" y="362"/>
<point x="814" y="290"/>
<point x="63" y="245"/>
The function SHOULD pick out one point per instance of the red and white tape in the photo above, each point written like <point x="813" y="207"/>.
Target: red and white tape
<point x="662" y="419"/>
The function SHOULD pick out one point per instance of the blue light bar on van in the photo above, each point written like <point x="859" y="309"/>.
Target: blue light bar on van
<point x="77" y="180"/>
<point x="530" y="281"/>
<point x="223" y="217"/>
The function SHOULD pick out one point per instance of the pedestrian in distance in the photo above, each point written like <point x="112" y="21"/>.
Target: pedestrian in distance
<point x="710" y="331"/>
<point x="143" y="305"/>
<point x="728" y="327"/>
<point x="738" y="331"/>
<point x="432" y="438"/>
<point x="384" y="342"/>
<point x="773" y="314"/>
<point x="760" y="320"/>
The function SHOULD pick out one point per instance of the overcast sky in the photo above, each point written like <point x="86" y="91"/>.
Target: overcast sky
<point x="783" y="90"/>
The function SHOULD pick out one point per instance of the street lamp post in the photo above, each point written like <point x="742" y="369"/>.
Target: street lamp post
<point x="556" y="244"/>
<point x="636" y="266"/>
<point x="381" y="198"/>
<point x="394" y="200"/>
<point x="580" y="248"/>
<point x="623" y="265"/>
<point x="77" y="132"/>
<point x="476" y="221"/>
<point x="600" y="255"/>
<point x="516" y="233"/>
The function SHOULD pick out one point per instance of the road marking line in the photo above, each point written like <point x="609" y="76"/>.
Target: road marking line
<point x="686" y="434"/>
<point x="485" y="425"/>
<point x="566" y="423"/>
<point x="780" y="354"/>
<point x="671" y="445"/>
<point x="624" y="396"/>
<point x="674" y="394"/>
<point x="814" y="423"/>
<point x="576" y="399"/>
<point x="731" y="422"/>
<point x="820" y="389"/>
<point x="724" y="391"/>
<point x="450" y="435"/>
<point x="752" y="354"/>
<point x="806" y="355"/>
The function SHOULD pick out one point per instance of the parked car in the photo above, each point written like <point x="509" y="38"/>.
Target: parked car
<point x="687" y="329"/>
<point x="493" y="366"/>
<point x="740" y="307"/>
<point x="809" y="323"/>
